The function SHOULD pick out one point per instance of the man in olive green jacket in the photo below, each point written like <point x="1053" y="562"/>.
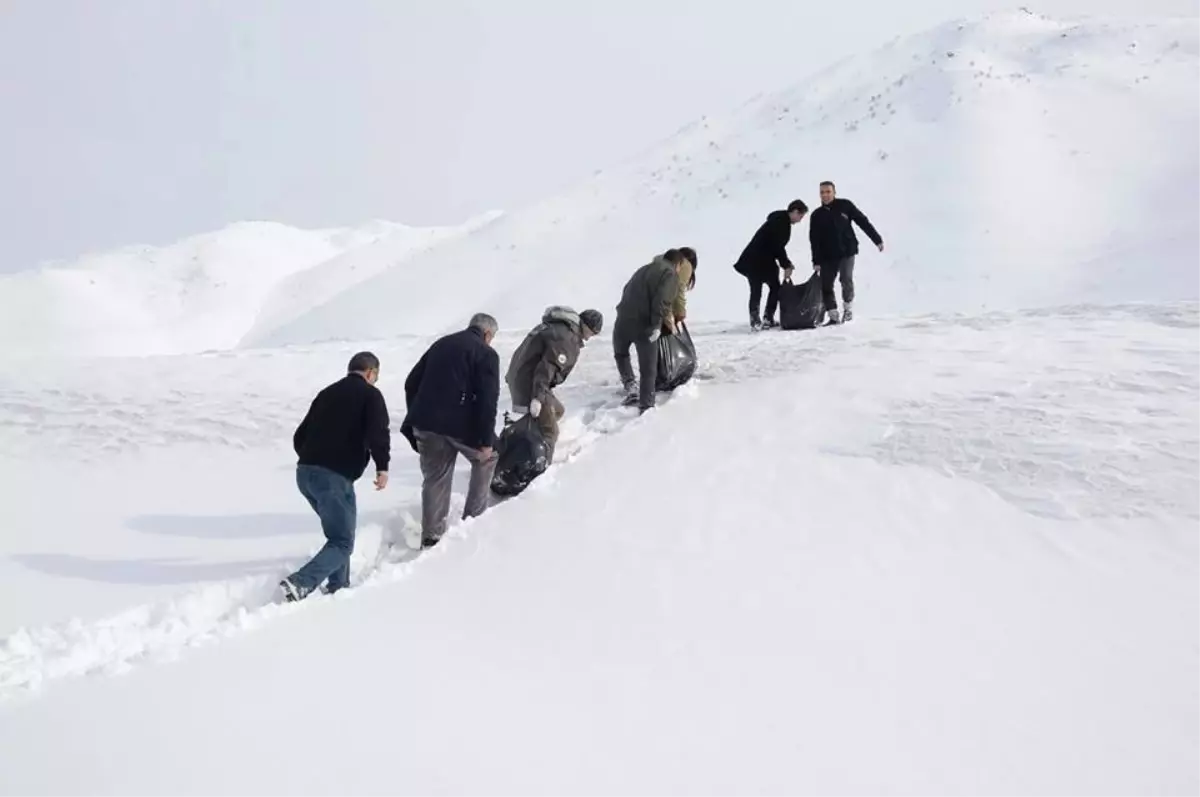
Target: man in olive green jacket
<point x="645" y="312"/>
<point x="544" y="360"/>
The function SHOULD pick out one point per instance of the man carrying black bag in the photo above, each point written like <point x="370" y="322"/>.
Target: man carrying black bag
<point x="643" y="313"/>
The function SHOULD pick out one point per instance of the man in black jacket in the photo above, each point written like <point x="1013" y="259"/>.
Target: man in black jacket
<point x="451" y="395"/>
<point x="762" y="258"/>
<point x="346" y="426"/>
<point x="834" y="246"/>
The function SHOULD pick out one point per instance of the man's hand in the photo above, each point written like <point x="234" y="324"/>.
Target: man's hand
<point x="816" y="268"/>
<point x="787" y="273"/>
<point x="381" y="480"/>
<point x="670" y="326"/>
<point x="654" y="335"/>
<point x="535" y="408"/>
<point x="881" y="246"/>
<point x="485" y="452"/>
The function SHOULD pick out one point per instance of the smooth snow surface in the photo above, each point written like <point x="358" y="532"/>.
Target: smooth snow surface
<point x="942" y="549"/>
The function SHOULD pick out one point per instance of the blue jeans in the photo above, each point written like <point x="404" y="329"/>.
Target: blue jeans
<point x="331" y="495"/>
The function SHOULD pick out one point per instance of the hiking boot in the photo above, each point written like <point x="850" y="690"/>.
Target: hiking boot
<point x="293" y="592"/>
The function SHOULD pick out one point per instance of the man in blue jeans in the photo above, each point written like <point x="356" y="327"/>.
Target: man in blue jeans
<point x="346" y="426"/>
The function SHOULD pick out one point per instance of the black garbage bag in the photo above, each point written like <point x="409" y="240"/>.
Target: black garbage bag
<point x="676" y="359"/>
<point x="801" y="306"/>
<point x="522" y="456"/>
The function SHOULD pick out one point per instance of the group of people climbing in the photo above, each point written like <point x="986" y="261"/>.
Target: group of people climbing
<point x="452" y="392"/>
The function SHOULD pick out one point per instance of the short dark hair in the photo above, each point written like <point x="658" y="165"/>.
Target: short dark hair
<point x="829" y="183"/>
<point x="690" y="254"/>
<point x="673" y="256"/>
<point x="797" y="206"/>
<point x="362" y="362"/>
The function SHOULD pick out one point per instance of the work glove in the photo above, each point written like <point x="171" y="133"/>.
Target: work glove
<point x="535" y="408"/>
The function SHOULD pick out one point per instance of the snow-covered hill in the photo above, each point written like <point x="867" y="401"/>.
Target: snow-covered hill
<point x="205" y="292"/>
<point x="937" y="552"/>
<point x="1008" y="161"/>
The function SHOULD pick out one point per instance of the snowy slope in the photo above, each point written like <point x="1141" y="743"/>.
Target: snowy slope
<point x="978" y="575"/>
<point x="204" y="292"/>
<point x="927" y="552"/>
<point x="1008" y="161"/>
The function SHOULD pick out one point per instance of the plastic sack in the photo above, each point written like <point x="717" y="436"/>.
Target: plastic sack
<point x="521" y="456"/>
<point x="801" y="306"/>
<point x="676" y="359"/>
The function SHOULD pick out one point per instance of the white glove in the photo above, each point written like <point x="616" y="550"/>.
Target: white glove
<point x="535" y="408"/>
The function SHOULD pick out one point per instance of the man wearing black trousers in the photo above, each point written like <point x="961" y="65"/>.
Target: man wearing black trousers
<point x="834" y="246"/>
<point x="764" y="256"/>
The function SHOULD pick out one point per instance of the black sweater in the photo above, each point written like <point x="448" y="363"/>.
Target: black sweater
<point x="831" y="231"/>
<point x="344" y="428"/>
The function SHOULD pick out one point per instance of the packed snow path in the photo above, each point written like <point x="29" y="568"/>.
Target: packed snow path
<point x="1079" y="414"/>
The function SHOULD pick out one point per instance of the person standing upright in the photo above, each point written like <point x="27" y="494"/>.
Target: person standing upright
<point x="451" y="396"/>
<point x="762" y="258"/>
<point x="834" y="247"/>
<point x="345" y="426"/>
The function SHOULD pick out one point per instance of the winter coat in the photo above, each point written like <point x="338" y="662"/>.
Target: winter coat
<point x="831" y="233"/>
<point x="546" y="357"/>
<point x="648" y="296"/>
<point x="453" y="390"/>
<point x="346" y="425"/>
<point x="767" y="250"/>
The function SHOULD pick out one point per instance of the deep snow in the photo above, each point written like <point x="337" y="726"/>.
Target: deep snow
<point x="939" y="550"/>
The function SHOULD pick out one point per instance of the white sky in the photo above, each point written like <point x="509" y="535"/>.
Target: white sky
<point x="143" y="121"/>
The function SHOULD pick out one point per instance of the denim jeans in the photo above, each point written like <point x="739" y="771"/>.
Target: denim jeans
<point x="331" y="495"/>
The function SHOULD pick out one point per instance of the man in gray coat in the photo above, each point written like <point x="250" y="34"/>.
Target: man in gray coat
<point x="544" y="360"/>
<point x="643" y="314"/>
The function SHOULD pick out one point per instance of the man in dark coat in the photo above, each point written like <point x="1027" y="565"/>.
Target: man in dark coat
<point x="643" y="314"/>
<point x="544" y="360"/>
<point x="451" y="395"/>
<point x="834" y="247"/>
<point x="765" y="255"/>
<point x="345" y="426"/>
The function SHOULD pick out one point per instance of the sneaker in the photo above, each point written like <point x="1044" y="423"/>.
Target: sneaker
<point x="292" y="592"/>
<point x="833" y="318"/>
<point x="770" y="323"/>
<point x="755" y="325"/>
<point x="847" y="312"/>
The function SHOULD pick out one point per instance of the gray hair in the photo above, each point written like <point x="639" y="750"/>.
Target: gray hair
<point x="484" y="323"/>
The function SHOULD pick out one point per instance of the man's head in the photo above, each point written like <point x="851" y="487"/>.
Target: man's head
<point x="485" y="324"/>
<point x="590" y="323"/>
<point x="796" y="210"/>
<point x="366" y="364"/>
<point x="675" y="257"/>
<point x="828" y="192"/>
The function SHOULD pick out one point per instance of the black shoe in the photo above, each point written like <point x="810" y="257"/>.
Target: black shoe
<point x="429" y="542"/>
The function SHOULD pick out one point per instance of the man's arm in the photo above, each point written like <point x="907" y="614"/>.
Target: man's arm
<point x="812" y="238"/>
<point x="783" y="235"/>
<point x="413" y="382"/>
<point x="379" y="437"/>
<point x="860" y="218"/>
<point x="487" y="396"/>
<point x="552" y="359"/>
<point x="301" y="433"/>
<point x="664" y="295"/>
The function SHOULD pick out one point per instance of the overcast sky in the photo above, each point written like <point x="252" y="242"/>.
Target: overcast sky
<point x="143" y="121"/>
